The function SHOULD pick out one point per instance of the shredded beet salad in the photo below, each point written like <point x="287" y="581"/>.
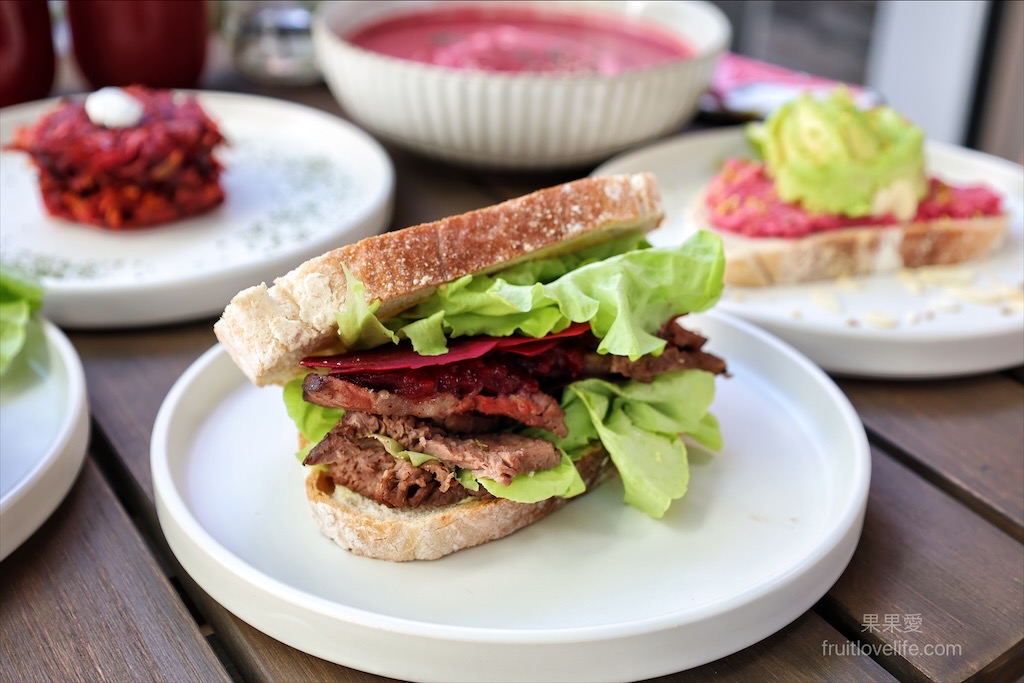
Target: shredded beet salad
<point x="161" y="170"/>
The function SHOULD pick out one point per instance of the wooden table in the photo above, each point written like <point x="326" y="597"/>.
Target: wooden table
<point x="935" y="589"/>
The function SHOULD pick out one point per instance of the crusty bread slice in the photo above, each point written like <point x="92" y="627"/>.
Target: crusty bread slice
<point x="368" y="528"/>
<point x="268" y="330"/>
<point x="759" y="261"/>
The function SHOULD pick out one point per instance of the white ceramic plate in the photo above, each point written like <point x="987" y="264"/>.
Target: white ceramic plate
<point x="44" y="431"/>
<point x="298" y="182"/>
<point x="596" y="592"/>
<point x="933" y="323"/>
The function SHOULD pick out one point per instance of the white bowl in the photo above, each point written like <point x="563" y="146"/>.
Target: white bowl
<point x="518" y="120"/>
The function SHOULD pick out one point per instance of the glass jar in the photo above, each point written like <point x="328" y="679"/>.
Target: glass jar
<point x="271" y="40"/>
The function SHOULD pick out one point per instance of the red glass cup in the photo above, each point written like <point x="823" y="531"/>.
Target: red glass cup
<point x="26" y="51"/>
<point x="159" y="43"/>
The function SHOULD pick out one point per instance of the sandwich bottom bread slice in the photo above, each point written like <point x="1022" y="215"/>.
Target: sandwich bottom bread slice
<point x="455" y="381"/>
<point x="428" y="532"/>
<point x="768" y="241"/>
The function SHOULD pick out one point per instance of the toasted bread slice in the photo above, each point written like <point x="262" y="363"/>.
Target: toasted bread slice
<point x="268" y="330"/>
<point x="859" y="250"/>
<point x="368" y="528"/>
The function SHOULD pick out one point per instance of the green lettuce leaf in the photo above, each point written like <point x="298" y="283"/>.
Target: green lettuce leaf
<point x="625" y="297"/>
<point x="468" y="302"/>
<point x="467" y="479"/>
<point x="707" y="432"/>
<point x="639" y="425"/>
<point x="549" y="269"/>
<point x="358" y="327"/>
<point x="312" y="421"/>
<point x="19" y="299"/>
<point x="562" y="480"/>
<point x="396" y="449"/>
<point x="429" y="334"/>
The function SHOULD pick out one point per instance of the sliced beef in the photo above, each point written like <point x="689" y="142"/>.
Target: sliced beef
<point x="648" y="367"/>
<point x="364" y="466"/>
<point x="534" y="409"/>
<point x="468" y="423"/>
<point x="677" y="335"/>
<point x="683" y="352"/>
<point x="499" y="456"/>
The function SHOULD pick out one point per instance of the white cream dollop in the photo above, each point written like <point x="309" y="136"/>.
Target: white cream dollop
<point x="113" y="108"/>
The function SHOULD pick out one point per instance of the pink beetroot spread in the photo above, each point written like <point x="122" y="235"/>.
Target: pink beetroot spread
<point x="742" y="199"/>
<point x="158" y="171"/>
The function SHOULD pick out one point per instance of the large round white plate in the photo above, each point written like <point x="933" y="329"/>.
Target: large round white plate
<point x="298" y="182"/>
<point x="44" y="431"/>
<point x="596" y="592"/>
<point x="910" y="324"/>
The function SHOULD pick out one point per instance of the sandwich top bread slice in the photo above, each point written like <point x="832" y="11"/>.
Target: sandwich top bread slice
<point x="268" y="330"/>
<point x="836" y="191"/>
<point x="455" y="381"/>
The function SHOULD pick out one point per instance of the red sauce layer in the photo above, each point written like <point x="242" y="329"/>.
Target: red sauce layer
<point x="742" y="199"/>
<point x="513" y="39"/>
<point x="496" y="374"/>
<point x="403" y="357"/>
<point x="494" y="366"/>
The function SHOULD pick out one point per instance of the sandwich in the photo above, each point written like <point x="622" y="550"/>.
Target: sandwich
<point x="455" y="381"/>
<point x="831" y="190"/>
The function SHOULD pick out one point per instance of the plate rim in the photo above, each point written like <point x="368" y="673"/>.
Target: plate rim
<point x="63" y="460"/>
<point x="172" y="504"/>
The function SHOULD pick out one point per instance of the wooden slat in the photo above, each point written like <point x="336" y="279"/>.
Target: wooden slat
<point x="966" y="434"/>
<point x="128" y="374"/>
<point x="1016" y="373"/>
<point x="261" y="658"/>
<point x="84" y="600"/>
<point x="944" y="572"/>
<point x="794" y="654"/>
<point x="809" y="649"/>
<point x="509" y="184"/>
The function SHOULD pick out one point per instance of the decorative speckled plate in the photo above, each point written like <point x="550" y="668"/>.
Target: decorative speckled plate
<point x="910" y="324"/>
<point x="298" y="182"/>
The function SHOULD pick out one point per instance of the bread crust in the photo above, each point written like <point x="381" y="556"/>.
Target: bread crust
<point x="268" y="330"/>
<point x="367" y="528"/>
<point x="858" y="250"/>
